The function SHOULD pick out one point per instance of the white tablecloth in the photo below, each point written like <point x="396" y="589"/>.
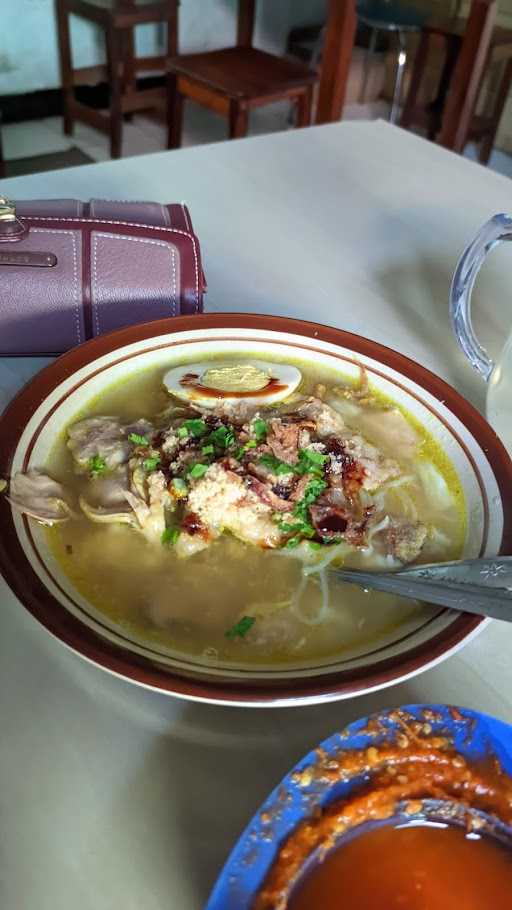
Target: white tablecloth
<point x="111" y="796"/>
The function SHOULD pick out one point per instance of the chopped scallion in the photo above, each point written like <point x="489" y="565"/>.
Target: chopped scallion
<point x="260" y="428"/>
<point x="170" y="536"/>
<point x="151" y="464"/>
<point x="97" y="465"/>
<point x="198" y="470"/>
<point x="241" y="628"/>
<point x="196" y="427"/>
<point x="138" y="440"/>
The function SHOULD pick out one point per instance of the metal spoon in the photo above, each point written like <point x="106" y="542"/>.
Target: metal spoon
<point x="482" y="586"/>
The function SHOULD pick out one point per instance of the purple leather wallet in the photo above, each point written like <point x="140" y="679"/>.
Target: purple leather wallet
<point x="72" y="270"/>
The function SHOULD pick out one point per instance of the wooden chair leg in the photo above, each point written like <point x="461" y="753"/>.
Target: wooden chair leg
<point x="304" y="107"/>
<point x="129" y="70"/>
<point x="339" y="43"/>
<point x="172" y="29"/>
<point x="174" y="112"/>
<point x="487" y="145"/>
<point x="238" y="120"/>
<point x="114" y="62"/>
<point x="66" y="65"/>
<point x="467" y="75"/>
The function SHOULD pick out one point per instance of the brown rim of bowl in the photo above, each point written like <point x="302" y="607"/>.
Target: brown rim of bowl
<point x="32" y="593"/>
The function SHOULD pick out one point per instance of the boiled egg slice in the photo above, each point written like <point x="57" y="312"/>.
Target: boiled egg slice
<point x="208" y="383"/>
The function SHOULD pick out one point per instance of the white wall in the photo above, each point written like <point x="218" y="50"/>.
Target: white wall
<point x="28" y="45"/>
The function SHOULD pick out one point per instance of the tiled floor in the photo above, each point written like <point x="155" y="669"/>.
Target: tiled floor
<point x="145" y="134"/>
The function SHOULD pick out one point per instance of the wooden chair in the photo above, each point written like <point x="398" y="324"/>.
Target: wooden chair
<point x="234" y="80"/>
<point x="470" y="46"/>
<point x="118" y="18"/>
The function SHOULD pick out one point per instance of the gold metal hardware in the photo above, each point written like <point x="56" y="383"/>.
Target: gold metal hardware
<point x="7" y="209"/>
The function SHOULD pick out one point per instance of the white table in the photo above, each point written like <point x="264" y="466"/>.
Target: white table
<point x="114" y="797"/>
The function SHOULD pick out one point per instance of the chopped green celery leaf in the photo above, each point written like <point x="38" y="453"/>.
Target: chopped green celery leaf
<point x="138" y="440"/>
<point x="301" y="510"/>
<point x="300" y="527"/>
<point x="151" y="464"/>
<point x="241" y="628"/>
<point x="315" y="545"/>
<point x="220" y="432"/>
<point x="314" y="457"/>
<point x="97" y="465"/>
<point x="241" y="450"/>
<point x="170" y="536"/>
<point x="277" y="466"/>
<point x="311" y="462"/>
<point x="313" y="490"/>
<point x="222" y="437"/>
<point x="196" y="426"/>
<point x="293" y="542"/>
<point x="208" y="450"/>
<point x="288" y="528"/>
<point x="198" y="470"/>
<point x="182" y="432"/>
<point x="260" y="428"/>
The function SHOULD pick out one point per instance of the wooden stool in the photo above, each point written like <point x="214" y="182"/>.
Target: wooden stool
<point x="234" y="80"/>
<point x="471" y="46"/>
<point x="118" y="18"/>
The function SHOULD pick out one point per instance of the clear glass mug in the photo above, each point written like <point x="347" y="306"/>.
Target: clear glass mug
<point x="499" y="375"/>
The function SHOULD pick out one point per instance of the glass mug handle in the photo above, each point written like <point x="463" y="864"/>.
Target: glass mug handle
<point x="490" y="235"/>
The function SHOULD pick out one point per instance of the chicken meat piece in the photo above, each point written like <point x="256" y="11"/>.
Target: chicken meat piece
<point x="268" y="495"/>
<point x="105" y="437"/>
<point x="377" y="469"/>
<point x="283" y="441"/>
<point x="405" y="539"/>
<point x="150" y="513"/>
<point x="223" y="502"/>
<point x="105" y="501"/>
<point x="40" y="497"/>
<point x="328" y="421"/>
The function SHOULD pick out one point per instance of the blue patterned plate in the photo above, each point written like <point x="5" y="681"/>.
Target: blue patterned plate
<point x="474" y="736"/>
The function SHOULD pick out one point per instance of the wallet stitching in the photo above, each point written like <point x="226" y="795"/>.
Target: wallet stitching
<point x="95" y="241"/>
<point x="130" y="224"/>
<point x="75" y="273"/>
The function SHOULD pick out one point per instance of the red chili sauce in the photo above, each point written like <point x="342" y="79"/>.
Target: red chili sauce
<point x="411" y="868"/>
<point x="398" y="868"/>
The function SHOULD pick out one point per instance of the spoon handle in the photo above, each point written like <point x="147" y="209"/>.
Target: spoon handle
<point x="481" y="586"/>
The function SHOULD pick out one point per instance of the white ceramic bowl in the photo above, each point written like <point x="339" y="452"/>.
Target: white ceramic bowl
<point x="30" y="425"/>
